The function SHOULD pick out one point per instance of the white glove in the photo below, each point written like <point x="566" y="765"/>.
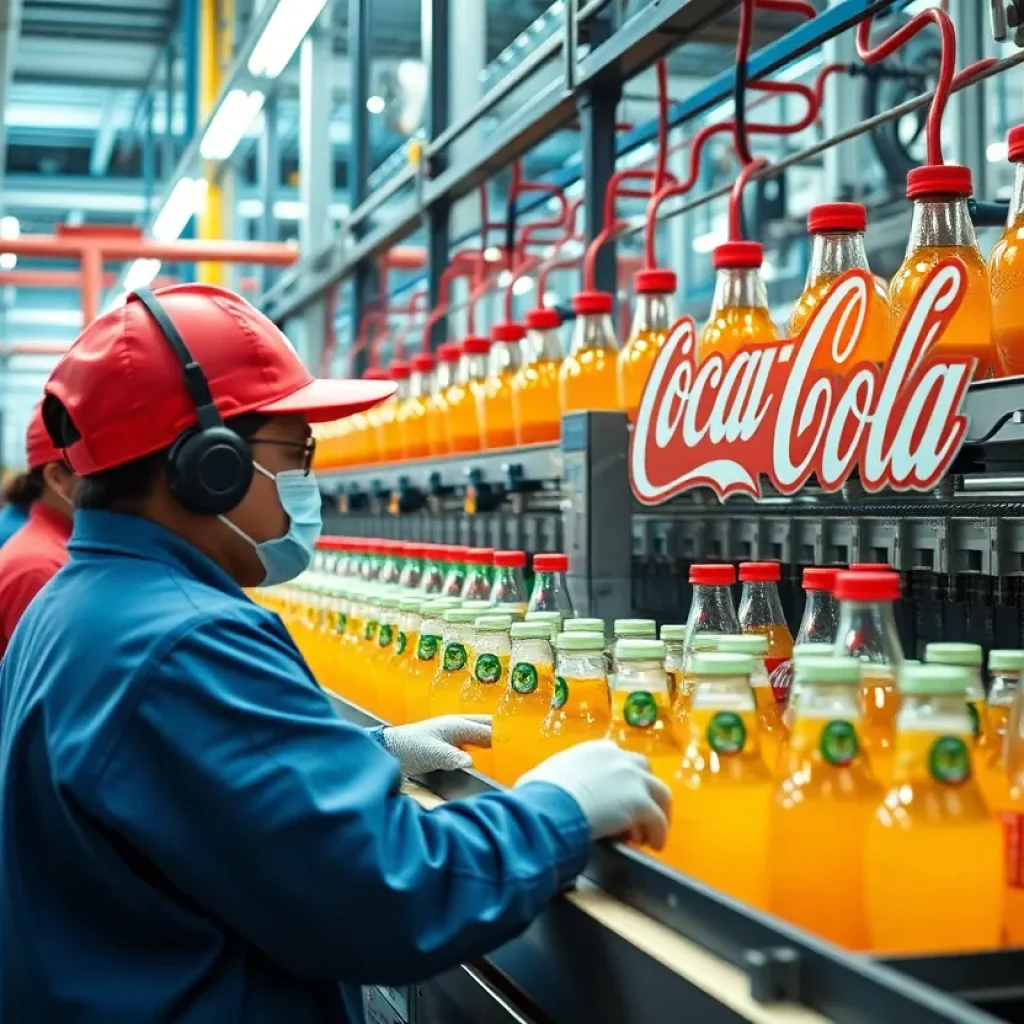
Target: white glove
<point x="433" y="745"/>
<point x="614" y="788"/>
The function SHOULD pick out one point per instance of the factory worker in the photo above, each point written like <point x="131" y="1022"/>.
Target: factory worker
<point x="16" y="491"/>
<point x="35" y="553"/>
<point x="190" y="831"/>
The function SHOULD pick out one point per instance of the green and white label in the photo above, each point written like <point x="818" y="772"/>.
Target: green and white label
<point x="949" y="761"/>
<point x="640" y="710"/>
<point x="524" y="677"/>
<point x="972" y="712"/>
<point x="386" y="635"/>
<point x="426" y="649"/>
<point x="839" y="744"/>
<point x="455" y="657"/>
<point x="370" y="630"/>
<point x="488" y="669"/>
<point x="561" y="693"/>
<point x="341" y="623"/>
<point x="726" y="733"/>
<point x="400" y="642"/>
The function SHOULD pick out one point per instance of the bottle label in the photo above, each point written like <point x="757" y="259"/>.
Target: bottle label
<point x="1013" y="847"/>
<point x="488" y="669"/>
<point x="949" y="761"/>
<point x="455" y="657"/>
<point x="524" y="677"/>
<point x="341" y="623"/>
<point x="561" y="693"/>
<point x="400" y="642"/>
<point x="370" y="630"/>
<point x="726" y="733"/>
<point x="640" y="710"/>
<point x="426" y="649"/>
<point x="972" y="713"/>
<point x="839" y="744"/>
<point x="780" y="677"/>
<point x="386" y="635"/>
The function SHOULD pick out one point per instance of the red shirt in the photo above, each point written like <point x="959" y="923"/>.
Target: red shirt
<point x="27" y="561"/>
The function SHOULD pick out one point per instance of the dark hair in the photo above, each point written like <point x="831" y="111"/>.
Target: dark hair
<point x="123" y="486"/>
<point x="24" y="488"/>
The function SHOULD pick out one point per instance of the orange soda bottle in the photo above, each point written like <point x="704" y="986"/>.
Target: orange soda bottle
<point x="1004" y="671"/>
<point x="652" y="320"/>
<point x="488" y="676"/>
<point x="934" y="855"/>
<point x="761" y="612"/>
<point x="673" y="636"/>
<point x="867" y="632"/>
<point x="587" y="379"/>
<point x="823" y="806"/>
<point x="970" y="657"/>
<point x="453" y="667"/>
<point x="550" y="592"/>
<point x="820" y="620"/>
<point x="580" y="707"/>
<point x="479" y="574"/>
<point x="739" y="309"/>
<point x="464" y="398"/>
<point x="711" y="609"/>
<point x="801" y="651"/>
<point x="1005" y="270"/>
<point x="525" y="702"/>
<point x="426" y="658"/>
<point x="412" y="413"/>
<point x="771" y="726"/>
<point x="941" y="228"/>
<point x="722" y="791"/>
<point x="403" y="650"/>
<point x="375" y="450"/>
<point x="703" y="643"/>
<point x="386" y="694"/>
<point x="391" y="435"/>
<point x="508" y="588"/>
<point x="837" y="245"/>
<point x="1009" y="809"/>
<point x="438" y="433"/>
<point x="536" y="400"/>
<point x="502" y="366"/>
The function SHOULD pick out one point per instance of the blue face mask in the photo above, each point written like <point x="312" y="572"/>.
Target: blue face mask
<point x="286" y="557"/>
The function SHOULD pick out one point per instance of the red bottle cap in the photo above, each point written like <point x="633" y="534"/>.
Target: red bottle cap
<point x="375" y="373"/>
<point x="457" y="553"/>
<point x="422" y="362"/>
<point x="837" y="217"/>
<point x="655" y="282"/>
<point x="738" y="256"/>
<point x="449" y="352"/>
<point x="510" y="559"/>
<point x="551" y="563"/>
<point x="413" y="550"/>
<point x="543" y="320"/>
<point x="867" y="586"/>
<point x="386" y="546"/>
<point x="398" y="370"/>
<point x="819" y="578"/>
<point x="329" y="544"/>
<point x="1015" y="143"/>
<point x="480" y="556"/>
<point x="760" y="572"/>
<point x="713" y="575"/>
<point x="592" y="303"/>
<point x="432" y="551"/>
<point x="476" y="346"/>
<point x="508" y="332"/>
<point x="940" y="180"/>
<point x="870" y="567"/>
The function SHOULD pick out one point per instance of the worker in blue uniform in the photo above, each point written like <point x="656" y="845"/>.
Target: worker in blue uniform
<point x="190" y="832"/>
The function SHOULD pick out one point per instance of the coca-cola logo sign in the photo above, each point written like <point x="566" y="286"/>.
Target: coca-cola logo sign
<point x="766" y="411"/>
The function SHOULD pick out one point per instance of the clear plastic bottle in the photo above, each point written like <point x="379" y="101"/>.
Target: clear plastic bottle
<point x="820" y="621"/>
<point x="867" y="632"/>
<point x="581" y="707"/>
<point x="479" y="574"/>
<point x="536" y="399"/>
<point x="375" y="448"/>
<point x="455" y="571"/>
<point x="439" y="432"/>
<point x="411" y="418"/>
<point x="434" y="566"/>
<point x="488" y="678"/>
<point x="1006" y="270"/>
<point x="771" y="726"/>
<point x="1004" y="671"/>
<point x="508" y="591"/>
<point x="453" y="667"/>
<point x="711" y="609"/>
<point x="739" y="309"/>
<point x="673" y="636"/>
<point x="587" y="378"/>
<point x="970" y="657"/>
<point x="941" y="228"/>
<point x="1009" y="807"/>
<point x="653" y="317"/>
<point x="761" y="612"/>
<point x="411" y="575"/>
<point x="502" y="366"/>
<point x="550" y="591"/>
<point x="390" y="564"/>
<point x="465" y="397"/>
<point x="427" y="656"/>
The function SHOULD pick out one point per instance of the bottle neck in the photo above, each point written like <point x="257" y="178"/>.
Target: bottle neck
<point x="478" y="584"/>
<point x="458" y="633"/>
<point x="941" y="222"/>
<point x="412" y="573"/>
<point x="711" y="611"/>
<point x="760" y="605"/>
<point x="924" y="719"/>
<point x="492" y="641"/>
<point x="825" y="701"/>
<point x="820" y="620"/>
<point x="739" y="288"/>
<point x="1004" y="688"/>
<point x="417" y="385"/>
<point x="454" y="580"/>
<point x="834" y="254"/>
<point x="653" y="313"/>
<point x="472" y="368"/>
<point x="867" y="631"/>
<point x="1017" y="199"/>
<point x="533" y="652"/>
<point x="723" y="693"/>
<point x="542" y="346"/>
<point x="641" y="675"/>
<point x="593" y="331"/>
<point x="504" y="358"/>
<point x="403" y="391"/>
<point x="509" y="587"/>
<point x="443" y="377"/>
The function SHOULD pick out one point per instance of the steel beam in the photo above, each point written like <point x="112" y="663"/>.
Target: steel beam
<point x="436" y="54"/>
<point x="360" y="34"/>
<point x="269" y="172"/>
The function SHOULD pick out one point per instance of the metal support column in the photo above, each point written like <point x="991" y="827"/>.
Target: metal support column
<point x="435" y="54"/>
<point x="841" y="110"/>
<point x="360" y="48"/>
<point x="316" y="166"/>
<point x="269" y="174"/>
<point x="167" y="154"/>
<point x="969" y="130"/>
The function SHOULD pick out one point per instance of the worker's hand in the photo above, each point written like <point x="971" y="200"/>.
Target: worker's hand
<point x="614" y="788"/>
<point x="433" y="745"/>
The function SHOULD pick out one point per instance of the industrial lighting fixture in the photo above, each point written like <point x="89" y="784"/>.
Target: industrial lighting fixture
<point x="187" y="198"/>
<point x="287" y="27"/>
<point x="375" y="104"/>
<point x="10" y="227"/>
<point x="140" y="274"/>
<point x="231" y="121"/>
<point x="522" y="286"/>
<point x="997" y="152"/>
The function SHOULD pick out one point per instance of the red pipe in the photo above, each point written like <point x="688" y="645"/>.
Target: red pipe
<point x="38" y="278"/>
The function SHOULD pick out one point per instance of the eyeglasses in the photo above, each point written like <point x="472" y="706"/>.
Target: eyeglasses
<point x="307" y="447"/>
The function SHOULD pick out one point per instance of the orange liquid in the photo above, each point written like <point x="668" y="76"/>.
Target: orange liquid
<point x="1006" y="270"/>
<point x="397" y="674"/>
<point x="819" y="825"/>
<point x="536" y="403"/>
<point x="387" y="431"/>
<point x="970" y="330"/>
<point x="990" y="759"/>
<point x="465" y="422"/>
<point x="583" y="716"/>
<point x="519" y="718"/>
<point x="499" y="417"/>
<point x="588" y="381"/>
<point x="450" y="677"/>
<point x="435" y="422"/>
<point x="720" y="809"/>
<point x="652" y="736"/>
<point x="385" y="688"/>
<point x="412" y="429"/>
<point x="880" y="704"/>
<point x="1010" y="814"/>
<point x="771" y="727"/>
<point x="934" y="861"/>
<point x="634" y="367"/>
<point x="419" y="676"/>
<point x="730" y="329"/>
<point x="481" y="694"/>
<point x="875" y="343"/>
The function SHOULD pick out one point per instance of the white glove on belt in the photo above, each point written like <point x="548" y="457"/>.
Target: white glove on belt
<point x="433" y="745"/>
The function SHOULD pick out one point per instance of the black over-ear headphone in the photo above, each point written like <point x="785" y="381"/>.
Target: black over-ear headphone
<point x="209" y="465"/>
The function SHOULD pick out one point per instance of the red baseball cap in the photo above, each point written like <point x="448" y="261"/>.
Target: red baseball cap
<point x="39" y="449"/>
<point x="122" y="385"/>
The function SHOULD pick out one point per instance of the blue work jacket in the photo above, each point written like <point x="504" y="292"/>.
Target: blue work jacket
<point x="190" y="833"/>
<point x="12" y="519"/>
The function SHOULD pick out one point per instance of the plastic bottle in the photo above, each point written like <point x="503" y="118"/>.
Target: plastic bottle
<point x="453" y="668"/>
<point x="439" y="433"/>
<point x="553" y="620"/>
<point x="587" y="378"/>
<point x="375" y="448"/>
<point x="390" y="563"/>
<point x="652" y="320"/>
<point x="550" y="591"/>
<point x="739" y="309"/>
<point x="801" y="651"/>
<point x="465" y="397"/>
<point x="488" y="678"/>
<point x="761" y="612"/>
<point x="673" y="636"/>
<point x="934" y="862"/>
<point x="970" y="657"/>
<point x="455" y="571"/>
<point x="867" y="632"/>
<point x="411" y="576"/>
<point x="479" y="574"/>
<point x="525" y="703"/>
<point x="941" y="228"/>
<point x="820" y="621"/>
<point x="411" y="418"/>
<point x="837" y="246"/>
<point x="419" y="677"/>
<point x="770" y="722"/>
<point x="536" y="397"/>
<point x="508" y="591"/>
<point x="1004" y="671"/>
<point x="434" y="566"/>
<point x="391" y="438"/>
<point x="502" y="366"/>
<point x="711" y="609"/>
<point x="385" y="694"/>
<point x="722" y="791"/>
<point x="1005" y="269"/>
<point x="823" y="806"/>
<point x="1009" y="809"/>
<point x="403" y="650"/>
<point x="580" y="708"/>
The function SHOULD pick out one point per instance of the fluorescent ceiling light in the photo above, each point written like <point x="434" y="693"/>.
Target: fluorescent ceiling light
<point x="10" y="227"/>
<point x="504" y="278"/>
<point x="231" y="121"/>
<point x="998" y="152"/>
<point x="187" y="198"/>
<point x="492" y="254"/>
<point x="287" y="27"/>
<point x="376" y="104"/>
<point x="140" y="274"/>
<point x="8" y="261"/>
<point x="522" y="286"/>
<point x="709" y="241"/>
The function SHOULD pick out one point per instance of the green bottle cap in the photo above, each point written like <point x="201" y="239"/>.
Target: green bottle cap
<point x="744" y="643"/>
<point x="493" y="623"/>
<point x="640" y="650"/>
<point x="461" y="615"/>
<point x="938" y="680"/>
<point x="969" y="655"/>
<point x="478" y="604"/>
<point x="813" y="651"/>
<point x="437" y="605"/>
<point x="555" y="617"/>
<point x="583" y="625"/>
<point x="673" y="633"/>
<point x="705" y="641"/>
<point x="1006" y="661"/>
<point x="635" y="628"/>
<point x="714" y="664"/>
<point x="411" y="604"/>
<point x="580" y="642"/>
<point x="531" y="630"/>
<point x="813" y="669"/>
